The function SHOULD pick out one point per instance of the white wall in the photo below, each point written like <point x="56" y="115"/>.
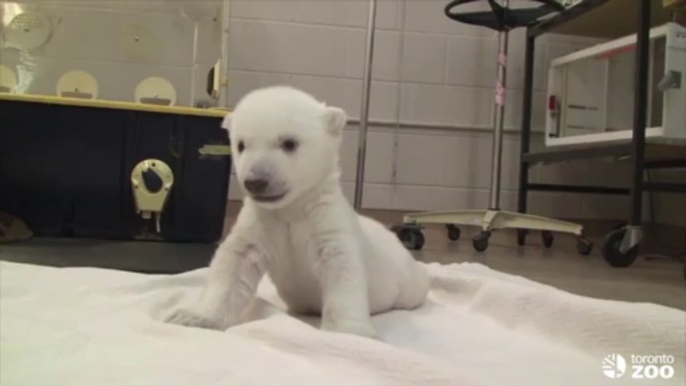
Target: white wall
<point x="428" y="70"/>
<point x="177" y="40"/>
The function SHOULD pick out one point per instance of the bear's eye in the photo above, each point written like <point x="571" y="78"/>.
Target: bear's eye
<point x="241" y="146"/>
<point x="289" y="145"/>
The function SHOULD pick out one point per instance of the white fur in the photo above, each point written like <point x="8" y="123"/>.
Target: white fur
<point x="322" y="256"/>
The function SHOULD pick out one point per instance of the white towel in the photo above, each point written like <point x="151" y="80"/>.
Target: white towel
<point x="83" y="326"/>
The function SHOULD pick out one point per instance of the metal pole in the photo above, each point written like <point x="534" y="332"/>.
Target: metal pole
<point x="499" y="119"/>
<point x="526" y="123"/>
<point x="224" y="55"/>
<point x="640" y="111"/>
<point x="364" y="111"/>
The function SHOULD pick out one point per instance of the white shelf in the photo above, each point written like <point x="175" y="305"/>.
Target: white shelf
<point x="613" y="19"/>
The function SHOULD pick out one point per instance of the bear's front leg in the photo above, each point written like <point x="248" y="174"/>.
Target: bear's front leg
<point x="234" y="274"/>
<point x="344" y="288"/>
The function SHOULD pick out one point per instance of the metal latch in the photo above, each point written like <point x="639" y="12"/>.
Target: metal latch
<point x="672" y="79"/>
<point x="151" y="182"/>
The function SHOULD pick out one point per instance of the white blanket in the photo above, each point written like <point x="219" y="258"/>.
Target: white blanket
<point x="81" y="326"/>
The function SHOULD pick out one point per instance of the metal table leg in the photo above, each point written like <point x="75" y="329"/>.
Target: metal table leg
<point x="620" y="248"/>
<point x="640" y="112"/>
<point x="525" y="135"/>
<point x="633" y="236"/>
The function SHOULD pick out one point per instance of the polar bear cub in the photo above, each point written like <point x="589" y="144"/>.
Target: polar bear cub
<point x="297" y="226"/>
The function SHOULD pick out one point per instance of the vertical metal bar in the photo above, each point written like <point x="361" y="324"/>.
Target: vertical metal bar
<point x="651" y="69"/>
<point x="606" y="95"/>
<point x="195" y="60"/>
<point x="224" y="55"/>
<point x="564" y="102"/>
<point x="398" y="95"/>
<point x="364" y="111"/>
<point x="499" y="117"/>
<point x="640" y="111"/>
<point x="525" y="135"/>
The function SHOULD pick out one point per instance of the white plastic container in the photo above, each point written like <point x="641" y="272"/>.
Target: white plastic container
<point x="591" y="91"/>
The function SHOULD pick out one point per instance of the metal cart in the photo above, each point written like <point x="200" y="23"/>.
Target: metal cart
<point x="620" y="247"/>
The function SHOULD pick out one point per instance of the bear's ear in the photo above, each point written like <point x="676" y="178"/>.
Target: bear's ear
<point x="226" y="123"/>
<point x="335" y="120"/>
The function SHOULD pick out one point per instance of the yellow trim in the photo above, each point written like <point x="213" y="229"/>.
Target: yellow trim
<point x="215" y="150"/>
<point x="65" y="101"/>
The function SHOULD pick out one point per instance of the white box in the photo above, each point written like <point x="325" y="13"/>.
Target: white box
<point x="591" y="91"/>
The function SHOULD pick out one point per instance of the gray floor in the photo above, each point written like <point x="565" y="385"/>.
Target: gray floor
<point x="147" y="257"/>
<point x="658" y="281"/>
<point x="655" y="281"/>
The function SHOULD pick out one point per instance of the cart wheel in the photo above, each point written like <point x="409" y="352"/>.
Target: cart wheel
<point x="585" y="247"/>
<point x="548" y="238"/>
<point x="521" y="236"/>
<point x="411" y="236"/>
<point x="620" y="225"/>
<point x="453" y="232"/>
<point x="611" y="251"/>
<point x="415" y="239"/>
<point x="480" y="241"/>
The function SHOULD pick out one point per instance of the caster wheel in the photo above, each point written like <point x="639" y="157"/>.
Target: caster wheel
<point x="521" y="236"/>
<point x="411" y="237"/>
<point x="611" y="251"/>
<point x="548" y="238"/>
<point x="480" y="241"/>
<point x="584" y="247"/>
<point x="453" y="232"/>
<point x="620" y="225"/>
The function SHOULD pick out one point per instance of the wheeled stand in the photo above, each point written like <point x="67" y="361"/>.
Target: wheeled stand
<point x="501" y="19"/>
<point x="621" y="246"/>
<point x="488" y="220"/>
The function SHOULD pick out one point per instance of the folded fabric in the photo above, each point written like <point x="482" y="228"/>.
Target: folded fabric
<point x="83" y="326"/>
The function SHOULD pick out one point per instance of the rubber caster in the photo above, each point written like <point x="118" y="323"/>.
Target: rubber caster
<point x="521" y="236"/>
<point x="548" y="238"/>
<point x="411" y="237"/>
<point x="480" y="241"/>
<point x="612" y="253"/>
<point x="453" y="232"/>
<point x="620" y="225"/>
<point x="584" y="247"/>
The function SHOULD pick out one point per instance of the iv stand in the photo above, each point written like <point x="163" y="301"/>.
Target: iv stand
<point x="493" y="218"/>
<point x="364" y="110"/>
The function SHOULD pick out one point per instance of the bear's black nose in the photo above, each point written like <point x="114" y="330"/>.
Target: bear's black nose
<point x="256" y="186"/>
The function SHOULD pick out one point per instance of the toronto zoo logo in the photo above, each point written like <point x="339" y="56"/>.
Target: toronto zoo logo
<point x="614" y="366"/>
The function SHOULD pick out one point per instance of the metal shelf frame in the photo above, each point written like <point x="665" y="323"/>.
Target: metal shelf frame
<point x="634" y="150"/>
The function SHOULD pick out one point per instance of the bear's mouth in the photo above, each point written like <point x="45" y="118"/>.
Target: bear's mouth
<point x="273" y="198"/>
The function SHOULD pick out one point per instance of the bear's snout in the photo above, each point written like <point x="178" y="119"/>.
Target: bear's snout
<point x="256" y="186"/>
